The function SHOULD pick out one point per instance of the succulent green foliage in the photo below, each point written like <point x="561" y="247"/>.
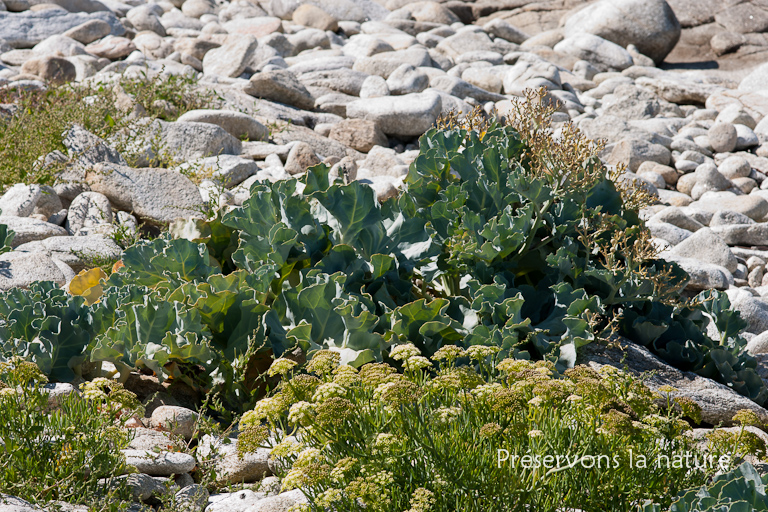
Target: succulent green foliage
<point x="6" y="238"/>
<point x="742" y="489"/>
<point x="501" y="237"/>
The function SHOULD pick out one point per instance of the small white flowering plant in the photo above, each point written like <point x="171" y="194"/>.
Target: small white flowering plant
<point x="490" y="435"/>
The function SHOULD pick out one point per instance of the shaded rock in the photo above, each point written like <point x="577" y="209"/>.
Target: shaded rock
<point x="301" y="157"/>
<point x="88" y="209"/>
<point x="157" y="195"/>
<point x="729" y="218"/>
<point x="669" y="232"/>
<point x="753" y="206"/>
<point x="752" y="309"/>
<point x="192" y="498"/>
<point x="184" y="141"/>
<point x="26" y="29"/>
<point x="28" y="229"/>
<point x="743" y="234"/>
<point x="51" y="69"/>
<point x="151" y="439"/>
<point x="406" y="79"/>
<point x="676" y="217"/>
<point x="501" y="28"/>
<point x="86" y="150"/>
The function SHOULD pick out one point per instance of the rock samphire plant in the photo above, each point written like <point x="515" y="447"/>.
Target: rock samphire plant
<point x="504" y="236"/>
<point x="490" y="435"/>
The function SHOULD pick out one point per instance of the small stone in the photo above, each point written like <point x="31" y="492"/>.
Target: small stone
<point x="89" y="31"/>
<point x="634" y="152"/>
<point x="301" y="157"/>
<point x="501" y="28"/>
<point x="669" y="174"/>
<point x="112" y="47"/>
<point x="358" y="134"/>
<point x="231" y="58"/>
<point x="88" y="209"/>
<point x="406" y="79"/>
<point x="374" y="87"/>
<point x="745" y="137"/>
<point x="677" y="217"/>
<point x="192" y="498"/>
<point x="729" y="218"/>
<point x="314" y="17"/>
<point x="20" y="200"/>
<point x="722" y="137"/>
<point x="735" y="167"/>
<point x="178" y="420"/>
<point x="281" y="86"/>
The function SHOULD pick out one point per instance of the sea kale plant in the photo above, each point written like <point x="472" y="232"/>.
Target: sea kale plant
<point x="467" y="429"/>
<point x="504" y="236"/>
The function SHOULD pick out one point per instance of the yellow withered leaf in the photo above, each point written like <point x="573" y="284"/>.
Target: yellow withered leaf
<point x="88" y="284"/>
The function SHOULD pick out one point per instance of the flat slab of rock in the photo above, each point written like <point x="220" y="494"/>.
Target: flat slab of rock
<point x="236" y="124"/>
<point x="753" y="206"/>
<point x="718" y="402"/>
<point x="75" y="251"/>
<point x="20" y="269"/>
<point x="157" y="195"/>
<point x="160" y="464"/>
<point x="26" y="29"/>
<point x="409" y="115"/>
<point x="28" y="229"/>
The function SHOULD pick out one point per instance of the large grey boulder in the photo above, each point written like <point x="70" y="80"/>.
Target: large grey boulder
<point x="86" y="150"/>
<point x="409" y="115"/>
<point x="156" y="195"/>
<point x="650" y="25"/>
<point x="20" y="269"/>
<point x="183" y="142"/>
<point x="26" y="29"/>
<point x="718" y="402"/>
